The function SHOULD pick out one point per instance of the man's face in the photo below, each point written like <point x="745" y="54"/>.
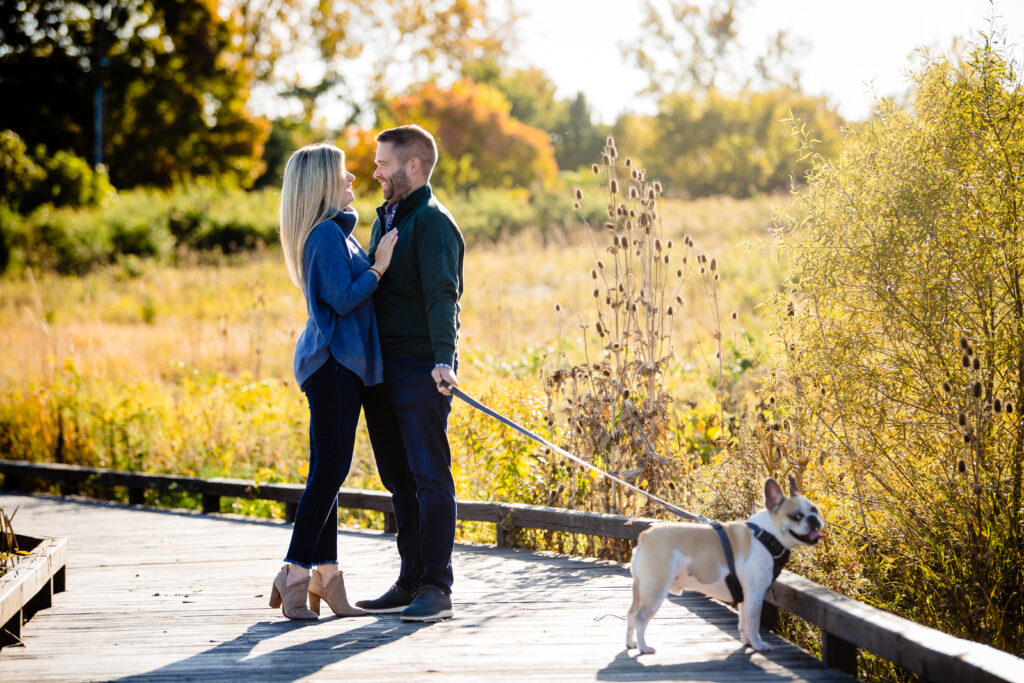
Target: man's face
<point x="390" y="173"/>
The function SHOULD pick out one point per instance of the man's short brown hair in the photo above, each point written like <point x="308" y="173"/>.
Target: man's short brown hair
<point x="412" y="141"/>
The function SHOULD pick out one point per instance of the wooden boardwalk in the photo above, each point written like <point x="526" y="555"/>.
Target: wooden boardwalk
<point x="157" y="595"/>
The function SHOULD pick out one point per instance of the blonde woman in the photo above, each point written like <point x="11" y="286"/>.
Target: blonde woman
<point x="338" y="353"/>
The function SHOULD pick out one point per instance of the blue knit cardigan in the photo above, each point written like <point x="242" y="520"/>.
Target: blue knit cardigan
<point x="338" y="288"/>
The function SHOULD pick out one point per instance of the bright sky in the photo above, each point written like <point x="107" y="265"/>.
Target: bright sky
<point x="854" y="46"/>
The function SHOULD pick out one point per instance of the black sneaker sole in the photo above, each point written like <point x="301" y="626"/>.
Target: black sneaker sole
<point x="438" y="616"/>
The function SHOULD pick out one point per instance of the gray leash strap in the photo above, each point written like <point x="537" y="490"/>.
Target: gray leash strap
<point x="522" y="430"/>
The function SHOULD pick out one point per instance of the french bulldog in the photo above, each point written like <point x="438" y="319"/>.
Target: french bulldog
<point x="674" y="556"/>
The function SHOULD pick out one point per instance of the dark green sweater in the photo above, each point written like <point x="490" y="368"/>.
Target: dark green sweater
<point x="417" y="302"/>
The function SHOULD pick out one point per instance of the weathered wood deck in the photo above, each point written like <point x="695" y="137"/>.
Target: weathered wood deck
<point x="156" y="595"/>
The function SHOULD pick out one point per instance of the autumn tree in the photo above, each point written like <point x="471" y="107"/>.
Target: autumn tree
<point x="692" y="46"/>
<point x="174" y="77"/>
<point x="481" y="145"/>
<point x="739" y="145"/>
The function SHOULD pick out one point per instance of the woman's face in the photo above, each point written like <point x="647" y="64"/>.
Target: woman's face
<point x="347" y="195"/>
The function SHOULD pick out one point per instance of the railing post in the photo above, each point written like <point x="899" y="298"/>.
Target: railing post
<point x="289" y="511"/>
<point x="136" y="496"/>
<point x="211" y="503"/>
<point x="390" y="523"/>
<point x="838" y="653"/>
<point x="769" y="617"/>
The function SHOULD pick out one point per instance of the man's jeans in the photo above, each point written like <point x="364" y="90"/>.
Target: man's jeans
<point x="408" y="423"/>
<point x="333" y="392"/>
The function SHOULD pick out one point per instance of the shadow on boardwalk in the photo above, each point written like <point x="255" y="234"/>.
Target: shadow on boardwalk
<point x="289" y="663"/>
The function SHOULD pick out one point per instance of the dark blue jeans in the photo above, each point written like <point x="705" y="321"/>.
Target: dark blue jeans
<point x="333" y="393"/>
<point x="408" y="423"/>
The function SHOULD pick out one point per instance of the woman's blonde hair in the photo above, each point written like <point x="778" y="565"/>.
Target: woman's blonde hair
<point x="311" y="194"/>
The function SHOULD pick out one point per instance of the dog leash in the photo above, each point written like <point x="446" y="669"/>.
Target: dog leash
<point x="522" y="430"/>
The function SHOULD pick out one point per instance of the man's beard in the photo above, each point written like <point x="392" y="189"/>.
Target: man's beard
<point x="398" y="186"/>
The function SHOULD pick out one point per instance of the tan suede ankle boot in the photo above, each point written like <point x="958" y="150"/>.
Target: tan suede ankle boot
<point x="291" y="599"/>
<point x="333" y="593"/>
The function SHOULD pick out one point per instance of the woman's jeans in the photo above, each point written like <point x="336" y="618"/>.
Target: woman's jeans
<point x="333" y="393"/>
<point x="408" y="423"/>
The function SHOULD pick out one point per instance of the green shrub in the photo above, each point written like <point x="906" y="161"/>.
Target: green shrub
<point x="61" y="179"/>
<point x="903" y="379"/>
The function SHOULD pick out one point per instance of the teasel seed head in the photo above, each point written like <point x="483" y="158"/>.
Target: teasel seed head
<point x="613" y="186"/>
<point x="997" y="405"/>
<point x="714" y="265"/>
<point x="612" y="152"/>
<point x="976" y="363"/>
<point x="633" y="194"/>
<point x="606" y="160"/>
<point x="610" y="141"/>
<point x="976" y="390"/>
<point x="703" y="270"/>
<point x="558" y="307"/>
<point x="600" y="264"/>
<point x="965" y="360"/>
<point x="668" y="245"/>
<point x="963" y="343"/>
<point x="961" y="467"/>
<point x="633" y="176"/>
<point x="593" y="273"/>
<point x="1008" y="407"/>
<point x="611" y="212"/>
<point x="576" y="206"/>
<point x="609" y="226"/>
<point x="632" y="213"/>
<point x="657" y="245"/>
<point x="666" y="258"/>
<point x="967" y="437"/>
<point x="961" y="419"/>
<point x="651" y="195"/>
<point x="717" y="276"/>
<point x="629" y="162"/>
<point x="670" y="310"/>
<point x="679" y="273"/>
<point x="679" y="300"/>
<point x="947" y="387"/>
<point x="735" y="315"/>
<point x="595" y="168"/>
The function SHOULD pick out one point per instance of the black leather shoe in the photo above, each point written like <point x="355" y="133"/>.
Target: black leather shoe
<point x="394" y="600"/>
<point x="431" y="604"/>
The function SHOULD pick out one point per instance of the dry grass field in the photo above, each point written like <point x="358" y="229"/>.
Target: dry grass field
<point x="188" y="369"/>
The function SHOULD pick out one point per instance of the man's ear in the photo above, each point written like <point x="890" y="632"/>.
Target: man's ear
<point x="773" y="495"/>
<point x="415" y="165"/>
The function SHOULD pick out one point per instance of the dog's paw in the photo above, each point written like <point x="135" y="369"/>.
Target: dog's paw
<point x="647" y="650"/>
<point x="759" y="646"/>
<point x="630" y="644"/>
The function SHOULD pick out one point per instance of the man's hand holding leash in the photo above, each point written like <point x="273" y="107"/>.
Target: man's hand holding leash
<point x="443" y="374"/>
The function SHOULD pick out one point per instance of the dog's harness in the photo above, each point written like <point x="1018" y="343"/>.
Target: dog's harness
<point x="779" y="553"/>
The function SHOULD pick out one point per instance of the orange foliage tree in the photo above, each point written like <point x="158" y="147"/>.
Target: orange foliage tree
<point x="480" y="144"/>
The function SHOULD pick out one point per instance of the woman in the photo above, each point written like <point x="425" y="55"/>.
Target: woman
<point x="337" y="354"/>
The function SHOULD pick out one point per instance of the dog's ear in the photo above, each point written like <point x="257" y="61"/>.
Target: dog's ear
<point x="794" y="490"/>
<point x="773" y="495"/>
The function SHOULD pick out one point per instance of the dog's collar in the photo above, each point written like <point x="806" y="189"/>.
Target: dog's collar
<point x="779" y="552"/>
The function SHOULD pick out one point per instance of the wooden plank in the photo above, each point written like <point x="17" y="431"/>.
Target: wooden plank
<point x="174" y="595"/>
<point x="31" y="574"/>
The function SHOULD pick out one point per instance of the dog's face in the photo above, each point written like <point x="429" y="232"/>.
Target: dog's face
<point x="796" y="518"/>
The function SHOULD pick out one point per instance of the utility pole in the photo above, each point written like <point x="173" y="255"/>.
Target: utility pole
<point x="100" y="66"/>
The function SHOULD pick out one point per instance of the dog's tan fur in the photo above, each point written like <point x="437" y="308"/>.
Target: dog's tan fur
<point x="672" y="557"/>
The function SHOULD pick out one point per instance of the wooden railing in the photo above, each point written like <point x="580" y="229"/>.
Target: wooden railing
<point x="847" y="625"/>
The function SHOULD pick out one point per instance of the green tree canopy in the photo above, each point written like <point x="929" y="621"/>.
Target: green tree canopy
<point x="176" y="83"/>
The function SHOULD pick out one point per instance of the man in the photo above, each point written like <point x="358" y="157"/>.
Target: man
<point x="417" y="308"/>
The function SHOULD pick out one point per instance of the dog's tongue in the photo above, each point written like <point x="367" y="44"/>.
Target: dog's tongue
<point x="815" y="536"/>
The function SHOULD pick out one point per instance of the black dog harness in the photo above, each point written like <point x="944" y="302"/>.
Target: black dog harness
<point x="779" y="553"/>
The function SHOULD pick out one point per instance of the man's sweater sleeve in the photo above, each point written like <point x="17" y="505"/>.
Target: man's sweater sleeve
<point x="438" y="252"/>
